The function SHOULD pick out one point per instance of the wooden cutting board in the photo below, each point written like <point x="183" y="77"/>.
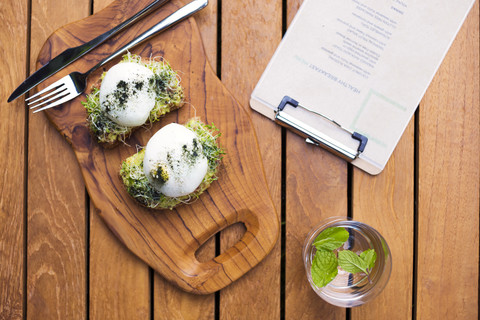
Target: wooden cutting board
<point x="168" y="239"/>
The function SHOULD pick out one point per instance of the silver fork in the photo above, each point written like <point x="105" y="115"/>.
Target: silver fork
<point x="72" y="85"/>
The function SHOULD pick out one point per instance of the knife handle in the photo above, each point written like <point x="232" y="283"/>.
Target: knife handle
<point x="72" y="54"/>
<point x="179" y="15"/>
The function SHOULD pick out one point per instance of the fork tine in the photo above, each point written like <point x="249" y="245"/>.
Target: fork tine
<point x="55" y="92"/>
<point x="53" y="99"/>
<point x="54" y="85"/>
<point x="69" y="96"/>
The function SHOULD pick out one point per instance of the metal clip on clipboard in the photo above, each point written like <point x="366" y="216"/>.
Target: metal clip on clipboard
<point x="316" y="137"/>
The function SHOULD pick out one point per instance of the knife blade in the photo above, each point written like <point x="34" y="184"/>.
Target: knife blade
<point x="72" y="54"/>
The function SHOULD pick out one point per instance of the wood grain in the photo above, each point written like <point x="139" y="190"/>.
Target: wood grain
<point x="173" y="303"/>
<point x="56" y="279"/>
<point x="448" y="201"/>
<point x="168" y="240"/>
<point x="386" y="202"/>
<point x="119" y="282"/>
<point x="316" y="189"/>
<point x="207" y="24"/>
<point x="170" y="302"/>
<point x="13" y="63"/>
<point x="251" y="31"/>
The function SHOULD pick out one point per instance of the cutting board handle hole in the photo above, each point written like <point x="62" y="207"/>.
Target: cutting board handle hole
<point x="220" y="242"/>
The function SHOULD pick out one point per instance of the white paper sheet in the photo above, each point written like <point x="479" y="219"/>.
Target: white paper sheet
<point x="364" y="63"/>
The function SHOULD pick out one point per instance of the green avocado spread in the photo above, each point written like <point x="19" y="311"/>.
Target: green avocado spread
<point x="138" y="186"/>
<point x="168" y="96"/>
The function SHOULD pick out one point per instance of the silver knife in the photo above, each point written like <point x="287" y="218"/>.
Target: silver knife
<point x="71" y="54"/>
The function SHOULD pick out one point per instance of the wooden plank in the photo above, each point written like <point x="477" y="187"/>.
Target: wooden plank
<point x="207" y="23"/>
<point x="316" y="189"/>
<point x="14" y="16"/>
<point x="56" y="278"/>
<point x="171" y="302"/>
<point x="385" y="202"/>
<point x="448" y="199"/>
<point x="250" y="34"/>
<point x="119" y="282"/>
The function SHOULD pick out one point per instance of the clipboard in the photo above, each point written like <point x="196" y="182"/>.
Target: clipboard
<point x="349" y="74"/>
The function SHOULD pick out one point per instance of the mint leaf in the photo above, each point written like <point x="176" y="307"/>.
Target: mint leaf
<point x="331" y="238"/>
<point x="324" y="268"/>
<point x="351" y="262"/>
<point x="369" y="257"/>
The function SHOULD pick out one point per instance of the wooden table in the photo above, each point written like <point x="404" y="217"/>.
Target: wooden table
<point x="59" y="261"/>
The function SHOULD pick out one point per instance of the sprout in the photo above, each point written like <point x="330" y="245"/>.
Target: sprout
<point x="138" y="186"/>
<point x="169" y="96"/>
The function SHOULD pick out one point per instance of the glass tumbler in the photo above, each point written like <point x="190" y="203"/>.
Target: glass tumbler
<point x="347" y="289"/>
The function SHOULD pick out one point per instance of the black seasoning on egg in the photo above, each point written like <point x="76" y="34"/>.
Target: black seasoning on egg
<point x="169" y="161"/>
<point x="190" y="155"/>
<point x="119" y="97"/>
<point x="139" y="85"/>
<point x="122" y="85"/>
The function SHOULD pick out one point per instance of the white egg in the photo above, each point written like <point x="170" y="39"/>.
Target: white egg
<point x="174" y="162"/>
<point x="126" y="95"/>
